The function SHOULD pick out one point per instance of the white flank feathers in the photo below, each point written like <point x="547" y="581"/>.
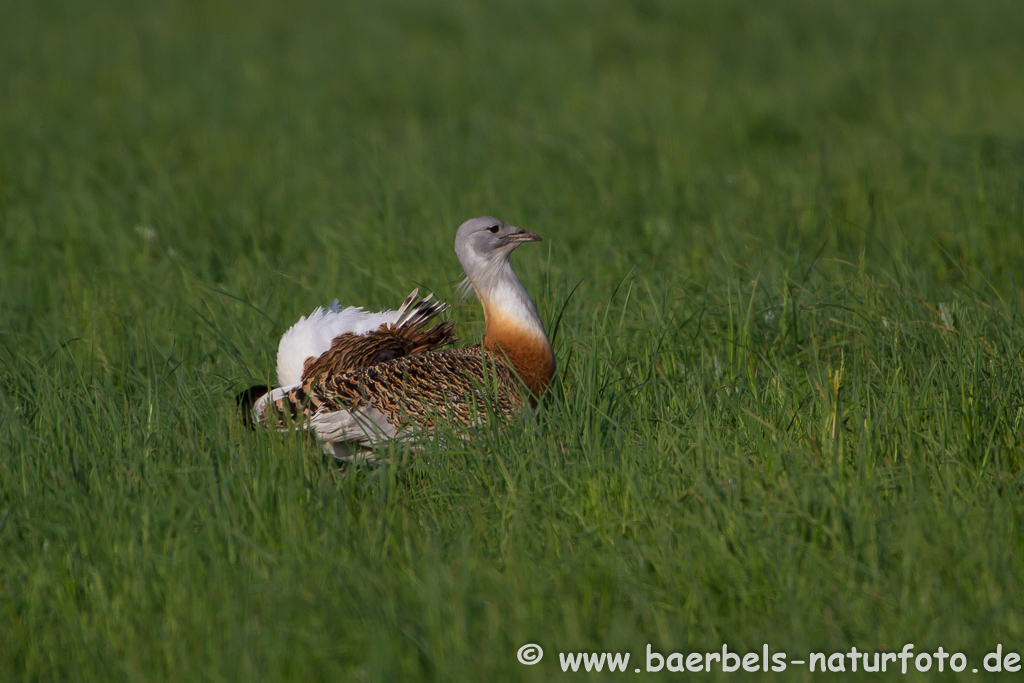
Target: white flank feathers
<point x="367" y="426"/>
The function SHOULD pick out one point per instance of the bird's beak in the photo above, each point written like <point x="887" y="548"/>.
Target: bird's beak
<point x="523" y="236"/>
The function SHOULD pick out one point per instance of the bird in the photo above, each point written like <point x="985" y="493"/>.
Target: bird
<point x="358" y="380"/>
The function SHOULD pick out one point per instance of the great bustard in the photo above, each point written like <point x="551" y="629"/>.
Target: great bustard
<point x="358" y="379"/>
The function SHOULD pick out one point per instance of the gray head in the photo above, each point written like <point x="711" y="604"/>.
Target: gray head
<point x="485" y="243"/>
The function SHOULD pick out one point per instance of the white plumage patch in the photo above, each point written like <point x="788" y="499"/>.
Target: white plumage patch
<point x="311" y="336"/>
<point x="367" y="426"/>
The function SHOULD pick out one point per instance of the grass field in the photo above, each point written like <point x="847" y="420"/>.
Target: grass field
<point x="784" y="252"/>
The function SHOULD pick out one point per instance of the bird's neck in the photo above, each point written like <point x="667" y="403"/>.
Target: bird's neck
<point x="514" y="329"/>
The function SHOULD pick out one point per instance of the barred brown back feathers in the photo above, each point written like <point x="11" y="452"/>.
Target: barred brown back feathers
<point x="352" y="351"/>
<point x="457" y="385"/>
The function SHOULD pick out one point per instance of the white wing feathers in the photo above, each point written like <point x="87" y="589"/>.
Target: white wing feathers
<point x="311" y="336"/>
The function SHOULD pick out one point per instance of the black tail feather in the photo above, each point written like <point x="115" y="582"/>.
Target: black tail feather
<point x="247" y="400"/>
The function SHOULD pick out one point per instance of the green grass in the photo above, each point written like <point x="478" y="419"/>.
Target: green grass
<point x="788" y="239"/>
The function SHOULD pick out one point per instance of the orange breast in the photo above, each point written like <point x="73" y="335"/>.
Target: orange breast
<point x="527" y="349"/>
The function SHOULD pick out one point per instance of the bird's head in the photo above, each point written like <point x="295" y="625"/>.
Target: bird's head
<point x="485" y="243"/>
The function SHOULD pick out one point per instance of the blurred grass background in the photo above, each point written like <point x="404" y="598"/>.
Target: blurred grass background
<point x="790" y="398"/>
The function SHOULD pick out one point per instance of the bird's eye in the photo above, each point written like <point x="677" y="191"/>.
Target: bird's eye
<point x="493" y="229"/>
